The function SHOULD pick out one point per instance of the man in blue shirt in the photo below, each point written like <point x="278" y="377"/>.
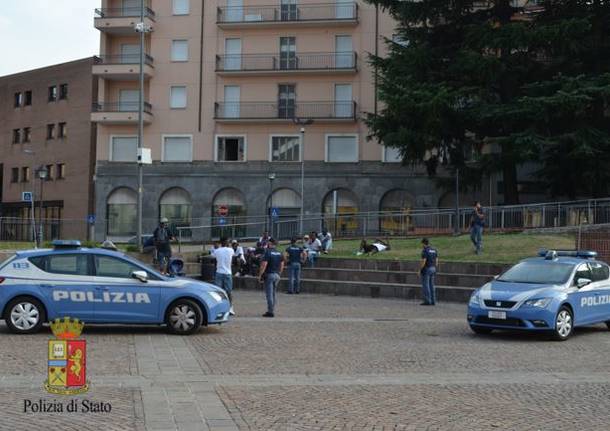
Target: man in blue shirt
<point x="427" y="271"/>
<point x="477" y="221"/>
<point x="296" y="256"/>
<point x="272" y="266"/>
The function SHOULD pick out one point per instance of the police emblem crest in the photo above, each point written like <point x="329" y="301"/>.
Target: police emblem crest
<point x="67" y="364"/>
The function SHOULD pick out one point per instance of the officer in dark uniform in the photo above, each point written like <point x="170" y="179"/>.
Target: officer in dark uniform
<point x="272" y="266"/>
<point x="296" y="256"/>
<point x="427" y="271"/>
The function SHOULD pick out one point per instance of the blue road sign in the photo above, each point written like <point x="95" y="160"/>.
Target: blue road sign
<point x="91" y="219"/>
<point x="275" y="212"/>
<point x="27" y="196"/>
<point x="222" y="221"/>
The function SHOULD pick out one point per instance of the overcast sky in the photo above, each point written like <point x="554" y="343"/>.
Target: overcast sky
<point x="37" y="33"/>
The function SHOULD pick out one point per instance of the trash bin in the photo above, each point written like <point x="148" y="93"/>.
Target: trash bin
<point x="208" y="268"/>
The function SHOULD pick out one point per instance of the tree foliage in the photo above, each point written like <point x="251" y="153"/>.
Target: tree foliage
<point x="503" y="82"/>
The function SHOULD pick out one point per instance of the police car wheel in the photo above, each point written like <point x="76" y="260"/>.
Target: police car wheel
<point x="184" y="317"/>
<point x="24" y="315"/>
<point x="564" y="324"/>
<point x="480" y="330"/>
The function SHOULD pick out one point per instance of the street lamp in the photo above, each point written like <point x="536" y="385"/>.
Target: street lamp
<point x="302" y="122"/>
<point x="271" y="178"/>
<point x="42" y="172"/>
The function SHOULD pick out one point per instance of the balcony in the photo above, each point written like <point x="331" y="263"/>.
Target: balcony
<point x="288" y="15"/>
<point x="122" y="67"/>
<point x="272" y="64"/>
<point x="239" y="112"/>
<point x="119" y="113"/>
<point x="121" y="20"/>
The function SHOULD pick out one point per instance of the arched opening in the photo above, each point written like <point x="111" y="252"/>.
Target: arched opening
<point x="340" y="208"/>
<point x="121" y="213"/>
<point x="228" y="212"/>
<point x="287" y="205"/>
<point x="395" y="207"/>
<point x="175" y="205"/>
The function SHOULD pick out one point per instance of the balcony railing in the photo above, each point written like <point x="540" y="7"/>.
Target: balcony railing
<point x="124" y="12"/>
<point x="286" y="62"/>
<point x="121" y="107"/>
<point x="123" y="59"/>
<point x="340" y="11"/>
<point x="285" y="110"/>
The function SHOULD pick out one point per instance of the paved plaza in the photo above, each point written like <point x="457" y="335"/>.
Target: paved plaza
<point x="324" y="363"/>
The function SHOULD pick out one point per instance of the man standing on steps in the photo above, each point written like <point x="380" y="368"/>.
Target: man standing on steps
<point x="224" y="277"/>
<point x="427" y="271"/>
<point x="271" y="268"/>
<point x="477" y="221"/>
<point x="296" y="257"/>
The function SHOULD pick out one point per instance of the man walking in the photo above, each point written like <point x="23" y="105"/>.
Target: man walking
<point x="272" y="266"/>
<point x="161" y="239"/>
<point x="477" y="221"/>
<point x="427" y="271"/>
<point x="224" y="279"/>
<point x="296" y="256"/>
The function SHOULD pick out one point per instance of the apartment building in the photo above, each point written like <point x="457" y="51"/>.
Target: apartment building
<point x="240" y="95"/>
<point x="47" y="147"/>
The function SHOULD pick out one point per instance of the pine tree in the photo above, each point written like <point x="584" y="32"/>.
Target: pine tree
<point x="480" y="75"/>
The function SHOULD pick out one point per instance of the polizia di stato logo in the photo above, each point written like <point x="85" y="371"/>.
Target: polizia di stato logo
<point x="67" y="366"/>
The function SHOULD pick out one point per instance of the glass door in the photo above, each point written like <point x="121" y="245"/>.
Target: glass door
<point x="287" y="101"/>
<point x="288" y="54"/>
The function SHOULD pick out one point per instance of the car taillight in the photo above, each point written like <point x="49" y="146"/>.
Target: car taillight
<point x="2" y="279"/>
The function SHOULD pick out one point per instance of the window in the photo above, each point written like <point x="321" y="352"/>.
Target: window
<point x="391" y="155"/>
<point x="106" y="266"/>
<point x="50" y="131"/>
<point x="599" y="271"/>
<point x="583" y="271"/>
<point x="63" y="91"/>
<point x="122" y="212"/>
<point x="18" y="100"/>
<point x="53" y="93"/>
<point x="341" y="148"/>
<point x="285" y="149"/>
<point x="286" y="100"/>
<point x="230" y="149"/>
<point x="63" y="130"/>
<point x="288" y="54"/>
<point x="180" y="50"/>
<point x="28" y="98"/>
<point x="180" y="7"/>
<point x="27" y="134"/>
<point x="69" y="264"/>
<point x="61" y="171"/>
<point x="16" y="136"/>
<point x="49" y="172"/>
<point x="25" y="174"/>
<point x="14" y="175"/>
<point x="177" y="97"/>
<point x="124" y="149"/>
<point x="177" y="149"/>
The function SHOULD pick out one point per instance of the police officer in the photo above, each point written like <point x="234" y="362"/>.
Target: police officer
<point x="296" y="256"/>
<point x="271" y="268"/>
<point x="427" y="271"/>
<point x="162" y="237"/>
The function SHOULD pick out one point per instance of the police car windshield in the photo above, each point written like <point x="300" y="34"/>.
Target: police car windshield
<point x="538" y="273"/>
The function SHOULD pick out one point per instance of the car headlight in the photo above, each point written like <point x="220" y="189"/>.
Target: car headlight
<point x="475" y="299"/>
<point x="218" y="296"/>
<point x="538" y="302"/>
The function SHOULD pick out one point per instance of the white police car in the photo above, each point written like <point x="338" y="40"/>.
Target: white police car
<point x="101" y="286"/>
<point x="555" y="292"/>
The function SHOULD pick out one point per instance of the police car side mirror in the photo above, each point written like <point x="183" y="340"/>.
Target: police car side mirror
<point x="140" y="276"/>
<point x="582" y="282"/>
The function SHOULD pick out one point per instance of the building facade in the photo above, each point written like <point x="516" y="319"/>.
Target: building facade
<point x="241" y="97"/>
<point x="46" y="131"/>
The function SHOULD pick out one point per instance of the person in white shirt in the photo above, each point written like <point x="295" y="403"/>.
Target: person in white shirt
<point x="327" y="241"/>
<point x="224" y="277"/>
<point x="313" y="246"/>
<point x="239" y="260"/>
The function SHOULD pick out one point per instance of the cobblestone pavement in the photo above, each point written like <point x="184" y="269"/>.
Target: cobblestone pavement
<point x="324" y="363"/>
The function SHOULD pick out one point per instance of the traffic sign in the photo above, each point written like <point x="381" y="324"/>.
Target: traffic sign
<point x="275" y="212"/>
<point x="91" y="219"/>
<point x="223" y="210"/>
<point x="222" y="221"/>
<point x="27" y="196"/>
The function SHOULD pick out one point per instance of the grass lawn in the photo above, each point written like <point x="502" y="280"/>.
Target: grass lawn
<point x="11" y="245"/>
<point x="497" y="248"/>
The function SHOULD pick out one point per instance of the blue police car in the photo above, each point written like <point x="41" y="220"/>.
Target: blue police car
<point x="101" y="286"/>
<point x="555" y="292"/>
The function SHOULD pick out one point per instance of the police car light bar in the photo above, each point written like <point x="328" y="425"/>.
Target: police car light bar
<point x="66" y="244"/>
<point x="552" y="254"/>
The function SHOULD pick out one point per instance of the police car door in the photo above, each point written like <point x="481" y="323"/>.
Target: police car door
<point x="583" y="297"/>
<point x="67" y="285"/>
<point x="600" y="286"/>
<point x="123" y="298"/>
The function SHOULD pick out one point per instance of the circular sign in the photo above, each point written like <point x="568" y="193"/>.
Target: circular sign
<point x="223" y="210"/>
